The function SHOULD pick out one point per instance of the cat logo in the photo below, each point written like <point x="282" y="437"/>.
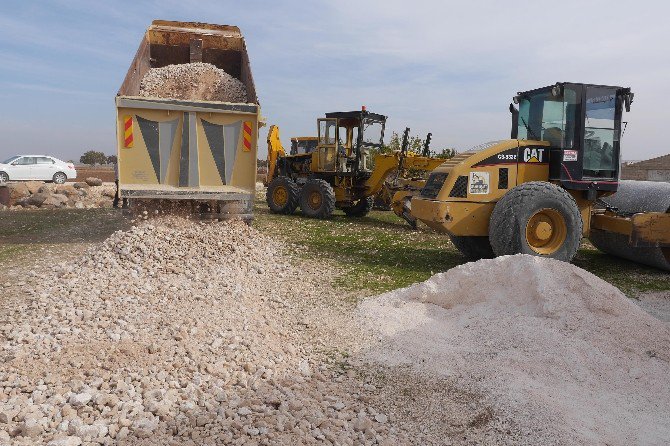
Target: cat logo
<point x="533" y="155"/>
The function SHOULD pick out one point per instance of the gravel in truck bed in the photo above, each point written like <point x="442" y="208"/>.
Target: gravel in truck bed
<point x="193" y="81"/>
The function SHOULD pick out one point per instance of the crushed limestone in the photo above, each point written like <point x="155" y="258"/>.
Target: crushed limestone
<point x="193" y="81"/>
<point x="176" y="332"/>
<point x="560" y="352"/>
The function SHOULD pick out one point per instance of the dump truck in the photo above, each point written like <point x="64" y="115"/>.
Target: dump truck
<point x="194" y="151"/>
<point x="553" y="182"/>
<point x="341" y="172"/>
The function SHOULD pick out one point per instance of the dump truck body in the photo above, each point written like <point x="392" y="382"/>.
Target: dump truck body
<point x="178" y="149"/>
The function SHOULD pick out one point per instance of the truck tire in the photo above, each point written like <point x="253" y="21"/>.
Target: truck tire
<point x="317" y="199"/>
<point x="361" y="208"/>
<point x="282" y="195"/>
<point x="473" y="248"/>
<point x="537" y="218"/>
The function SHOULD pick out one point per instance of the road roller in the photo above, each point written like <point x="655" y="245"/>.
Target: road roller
<point x="556" y="180"/>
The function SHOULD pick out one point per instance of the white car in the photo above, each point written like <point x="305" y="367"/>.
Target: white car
<point x="36" y="167"/>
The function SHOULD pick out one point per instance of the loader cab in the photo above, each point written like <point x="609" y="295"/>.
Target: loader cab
<point x="303" y="144"/>
<point x="582" y="124"/>
<point x="346" y="140"/>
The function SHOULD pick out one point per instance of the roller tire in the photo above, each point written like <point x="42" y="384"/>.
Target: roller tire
<point x="361" y="208"/>
<point x="292" y="192"/>
<point x="510" y="217"/>
<point x="473" y="248"/>
<point x="312" y="190"/>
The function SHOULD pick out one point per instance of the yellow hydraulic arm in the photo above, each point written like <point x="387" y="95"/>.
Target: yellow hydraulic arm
<point x="275" y="150"/>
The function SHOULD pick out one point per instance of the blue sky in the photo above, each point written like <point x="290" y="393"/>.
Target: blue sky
<point x="449" y="68"/>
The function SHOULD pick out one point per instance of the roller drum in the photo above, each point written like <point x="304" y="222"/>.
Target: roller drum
<point x="636" y="197"/>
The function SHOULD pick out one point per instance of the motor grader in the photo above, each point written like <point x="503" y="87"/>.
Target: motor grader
<point x="340" y="172"/>
<point x="555" y="181"/>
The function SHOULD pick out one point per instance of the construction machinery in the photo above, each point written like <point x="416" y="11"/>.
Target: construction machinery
<point x="555" y="181"/>
<point x="345" y="170"/>
<point x="408" y="179"/>
<point x="194" y="151"/>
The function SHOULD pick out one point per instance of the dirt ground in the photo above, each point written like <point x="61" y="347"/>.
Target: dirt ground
<point x="424" y="408"/>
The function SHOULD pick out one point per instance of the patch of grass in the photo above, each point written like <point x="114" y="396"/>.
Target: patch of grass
<point x="26" y="235"/>
<point x="377" y="252"/>
<point x="629" y="277"/>
<point x="381" y="252"/>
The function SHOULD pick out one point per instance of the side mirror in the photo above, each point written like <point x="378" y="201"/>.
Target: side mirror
<point x="628" y="100"/>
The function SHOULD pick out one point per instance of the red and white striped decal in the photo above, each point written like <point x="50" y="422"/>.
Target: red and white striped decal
<point x="128" y="132"/>
<point x="247" y="136"/>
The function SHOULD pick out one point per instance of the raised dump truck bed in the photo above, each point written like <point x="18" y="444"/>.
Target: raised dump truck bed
<point x="177" y="149"/>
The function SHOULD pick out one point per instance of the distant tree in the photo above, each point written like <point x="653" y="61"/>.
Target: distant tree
<point x="92" y="158"/>
<point x="111" y="159"/>
<point x="415" y="144"/>
<point x="444" y="153"/>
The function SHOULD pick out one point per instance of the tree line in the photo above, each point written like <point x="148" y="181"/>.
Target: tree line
<point x="94" y="158"/>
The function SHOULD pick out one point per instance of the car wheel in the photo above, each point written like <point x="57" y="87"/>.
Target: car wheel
<point x="59" y="178"/>
<point x="4" y="177"/>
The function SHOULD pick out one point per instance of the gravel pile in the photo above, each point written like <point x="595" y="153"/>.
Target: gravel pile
<point x="193" y="81"/>
<point x="176" y="332"/>
<point x="561" y="353"/>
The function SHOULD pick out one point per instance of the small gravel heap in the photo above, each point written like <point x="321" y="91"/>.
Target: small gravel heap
<point x="562" y="353"/>
<point x="175" y="332"/>
<point x="193" y="81"/>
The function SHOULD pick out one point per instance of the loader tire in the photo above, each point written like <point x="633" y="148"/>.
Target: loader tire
<point x="536" y="218"/>
<point x="473" y="248"/>
<point x="361" y="208"/>
<point x="282" y="195"/>
<point x="317" y="199"/>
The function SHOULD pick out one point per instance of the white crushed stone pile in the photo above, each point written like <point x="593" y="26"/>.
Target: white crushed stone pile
<point x="563" y="354"/>
<point x="174" y="332"/>
<point x="193" y="81"/>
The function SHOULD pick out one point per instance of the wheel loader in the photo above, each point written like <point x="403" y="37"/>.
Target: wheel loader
<point x="339" y="173"/>
<point x="553" y="182"/>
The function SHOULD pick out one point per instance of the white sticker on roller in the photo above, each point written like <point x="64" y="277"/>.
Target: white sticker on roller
<point x="570" y="155"/>
<point x="479" y="183"/>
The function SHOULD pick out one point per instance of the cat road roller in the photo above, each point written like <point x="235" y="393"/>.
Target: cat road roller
<point x="555" y="181"/>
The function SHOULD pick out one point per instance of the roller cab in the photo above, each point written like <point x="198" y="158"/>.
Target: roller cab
<point x="542" y="190"/>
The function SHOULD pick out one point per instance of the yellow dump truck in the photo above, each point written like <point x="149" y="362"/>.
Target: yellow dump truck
<point x="195" y="150"/>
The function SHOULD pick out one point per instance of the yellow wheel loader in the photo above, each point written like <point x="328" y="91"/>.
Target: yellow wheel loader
<point x="555" y="181"/>
<point x="338" y="173"/>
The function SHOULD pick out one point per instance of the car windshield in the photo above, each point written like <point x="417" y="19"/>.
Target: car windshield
<point x="9" y="160"/>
